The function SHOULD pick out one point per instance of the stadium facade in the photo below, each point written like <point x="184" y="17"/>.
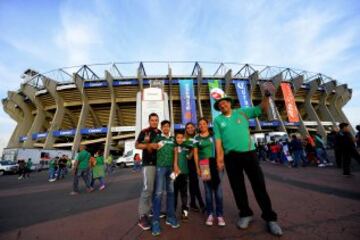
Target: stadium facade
<point x="99" y="104"/>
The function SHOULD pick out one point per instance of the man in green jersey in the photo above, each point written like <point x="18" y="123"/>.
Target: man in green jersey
<point x="235" y="148"/>
<point x="82" y="170"/>
<point x="164" y="168"/>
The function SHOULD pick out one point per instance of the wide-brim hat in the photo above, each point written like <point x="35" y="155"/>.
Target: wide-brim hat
<point x="218" y="95"/>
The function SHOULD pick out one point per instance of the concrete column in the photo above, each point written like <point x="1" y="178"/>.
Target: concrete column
<point x="9" y="108"/>
<point x="314" y="84"/>
<point x="50" y="85"/>
<point x="228" y="78"/>
<point x="171" y="100"/>
<point x="297" y="82"/>
<point x="79" y="82"/>
<point x="28" y="116"/>
<point x="39" y="120"/>
<point x="344" y="95"/>
<point x="323" y="108"/>
<point x="333" y="101"/>
<point x="199" y="86"/>
<point x="253" y="81"/>
<point x="112" y="114"/>
<point x="276" y="80"/>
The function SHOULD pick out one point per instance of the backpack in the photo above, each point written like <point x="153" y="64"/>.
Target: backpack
<point x="92" y="161"/>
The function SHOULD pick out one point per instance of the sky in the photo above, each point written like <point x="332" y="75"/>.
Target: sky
<point x="318" y="36"/>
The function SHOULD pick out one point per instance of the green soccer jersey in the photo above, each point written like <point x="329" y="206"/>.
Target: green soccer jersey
<point x="234" y="130"/>
<point x="205" y="146"/>
<point x="183" y="151"/>
<point x="165" y="154"/>
<point x="83" y="158"/>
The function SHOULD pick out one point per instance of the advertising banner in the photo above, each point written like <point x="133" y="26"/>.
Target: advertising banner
<point x="187" y="99"/>
<point x="242" y="91"/>
<point x="214" y="89"/>
<point x="291" y="109"/>
<point x="272" y="114"/>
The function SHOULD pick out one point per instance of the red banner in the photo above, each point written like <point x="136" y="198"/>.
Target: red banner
<point x="291" y="109"/>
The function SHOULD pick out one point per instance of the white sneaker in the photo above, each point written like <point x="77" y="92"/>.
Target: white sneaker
<point x="274" y="228"/>
<point x="210" y="220"/>
<point x="321" y="165"/>
<point x="52" y="180"/>
<point x="221" y="222"/>
<point x="243" y="222"/>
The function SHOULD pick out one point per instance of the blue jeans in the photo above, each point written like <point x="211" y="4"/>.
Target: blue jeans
<point x="163" y="181"/>
<point x="322" y="155"/>
<point x="209" y="191"/>
<point x="52" y="172"/>
<point x="299" y="155"/>
<point x="101" y="180"/>
<point x="85" y="175"/>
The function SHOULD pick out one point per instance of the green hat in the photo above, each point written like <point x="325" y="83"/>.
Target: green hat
<point x="218" y="95"/>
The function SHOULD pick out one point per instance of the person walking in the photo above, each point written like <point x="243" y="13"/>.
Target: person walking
<point x="81" y="169"/>
<point x="98" y="171"/>
<point x="146" y="142"/>
<point x="297" y="150"/>
<point x="236" y="151"/>
<point x="347" y="148"/>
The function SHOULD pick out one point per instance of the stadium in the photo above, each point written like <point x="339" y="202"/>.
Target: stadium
<point x="106" y="104"/>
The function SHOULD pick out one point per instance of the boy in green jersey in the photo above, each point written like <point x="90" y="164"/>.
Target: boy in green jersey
<point x="181" y="169"/>
<point x="164" y="168"/>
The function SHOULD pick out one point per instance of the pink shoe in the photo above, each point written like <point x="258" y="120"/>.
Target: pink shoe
<point x="102" y="187"/>
<point x="221" y="222"/>
<point x="209" y="220"/>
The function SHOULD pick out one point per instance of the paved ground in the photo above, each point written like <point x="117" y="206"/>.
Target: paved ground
<point x="312" y="203"/>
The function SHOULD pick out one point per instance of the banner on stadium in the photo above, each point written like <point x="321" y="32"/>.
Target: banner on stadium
<point x="60" y="133"/>
<point x="242" y="91"/>
<point x="39" y="135"/>
<point x="291" y="109"/>
<point x="95" y="84"/>
<point x="214" y="89"/>
<point x="187" y="99"/>
<point x="87" y="131"/>
<point x="272" y="114"/>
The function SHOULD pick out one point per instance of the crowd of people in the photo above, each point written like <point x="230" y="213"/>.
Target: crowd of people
<point x="175" y="164"/>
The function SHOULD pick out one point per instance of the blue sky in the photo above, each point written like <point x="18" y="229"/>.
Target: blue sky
<point x="319" y="36"/>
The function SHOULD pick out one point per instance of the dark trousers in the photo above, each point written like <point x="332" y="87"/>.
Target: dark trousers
<point x="85" y="175"/>
<point x="346" y="160"/>
<point x="181" y="186"/>
<point x="338" y="158"/>
<point x="236" y="163"/>
<point x="194" y="188"/>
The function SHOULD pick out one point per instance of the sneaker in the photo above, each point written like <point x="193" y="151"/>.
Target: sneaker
<point x="19" y="178"/>
<point x="321" y="165"/>
<point x="162" y="215"/>
<point x="52" y="180"/>
<point x="89" y="190"/>
<point x="73" y="193"/>
<point x="102" y="187"/>
<point x="221" y="222"/>
<point x="194" y="208"/>
<point x="184" y="215"/>
<point x="144" y="223"/>
<point x="209" y="220"/>
<point x="274" y="228"/>
<point x="243" y="222"/>
<point x="172" y="222"/>
<point x="155" y="228"/>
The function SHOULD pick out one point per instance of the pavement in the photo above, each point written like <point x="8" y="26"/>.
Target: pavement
<point x="312" y="203"/>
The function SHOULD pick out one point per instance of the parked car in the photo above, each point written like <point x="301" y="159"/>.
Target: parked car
<point x="127" y="159"/>
<point x="8" y="167"/>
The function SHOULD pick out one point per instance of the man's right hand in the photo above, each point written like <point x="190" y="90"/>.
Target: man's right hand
<point x="220" y="163"/>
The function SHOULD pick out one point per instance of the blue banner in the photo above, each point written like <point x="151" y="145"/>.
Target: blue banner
<point x="22" y="138"/>
<point x="125" y="82"/>
<point x="95" y="84"/>
<point x="60" y="133"/>
<point x="242" y="91"/>
<point x="87" y="131"/>
<point x="187" y="99"/>
<point x="39" y="135"/>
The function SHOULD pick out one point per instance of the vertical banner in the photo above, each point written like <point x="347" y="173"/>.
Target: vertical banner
<point x="272" y="114"/>
<point x="187" y="99"/>
<point x="214" y="89"/>
<point x="242" y="91"/>
<point x="291" y="109"/>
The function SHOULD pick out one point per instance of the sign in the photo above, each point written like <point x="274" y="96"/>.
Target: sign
<point x="187" y="99"/>
<point x="291" y="109"/>
<point x="88" y="131"/>
<point x="95" y="84"/>
<point x="214" y="90"/>
<point x="60" y="133"/>
<point x="242" y="91"/>
<point x="152" y="102"/>
<point x="272" y="113"/>
<point x="39" y="135"/>
<point x="22" y="138"/>
<point x="123" y="129"/>
<point x="124" y="82"/>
